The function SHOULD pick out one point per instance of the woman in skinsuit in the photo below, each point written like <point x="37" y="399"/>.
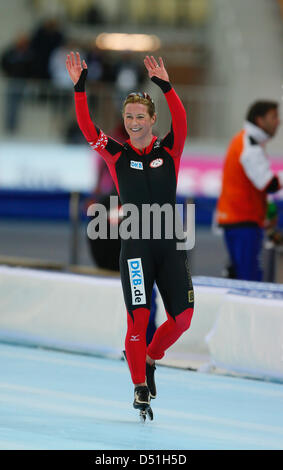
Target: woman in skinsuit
<point x="145" y="171"/>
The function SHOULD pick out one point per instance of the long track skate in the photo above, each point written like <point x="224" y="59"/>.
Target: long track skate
<point x="144" y="408"/>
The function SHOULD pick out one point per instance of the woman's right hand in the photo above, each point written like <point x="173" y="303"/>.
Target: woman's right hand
<point x="74" y="66"/>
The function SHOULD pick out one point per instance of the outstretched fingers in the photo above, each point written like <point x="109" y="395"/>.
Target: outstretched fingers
<point x="72" y="59"/>
<point x="78" y="59"/>
<point x="75" y="66"/>
<point x="161" y="63"/>
<point x="148" y="64"/>
<point x="68" y="62"/>
<point x="155" y="69"/>
<point x="153" y="61"/>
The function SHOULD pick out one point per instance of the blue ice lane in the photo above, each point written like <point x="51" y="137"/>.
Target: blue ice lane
<point x="56" y="400"/>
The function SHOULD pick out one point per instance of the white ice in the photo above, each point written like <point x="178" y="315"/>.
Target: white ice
<point x="57" y="400"/>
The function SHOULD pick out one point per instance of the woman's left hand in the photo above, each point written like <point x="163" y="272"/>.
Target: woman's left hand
<point x="154" y="69"/>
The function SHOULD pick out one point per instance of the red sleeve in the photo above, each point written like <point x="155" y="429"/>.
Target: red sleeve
<point x="85" y="123"/>
<point x="175" y="140"/>
<point x="107" y="147"/>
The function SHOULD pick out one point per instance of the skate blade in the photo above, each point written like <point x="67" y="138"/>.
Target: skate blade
<point x="147" y="413"/>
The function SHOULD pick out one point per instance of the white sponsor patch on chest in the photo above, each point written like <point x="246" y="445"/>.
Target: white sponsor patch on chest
<point x="156" y="163"/>
<point x="136" y="165"/>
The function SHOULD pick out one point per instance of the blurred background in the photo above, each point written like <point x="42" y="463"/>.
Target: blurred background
<point x="221" y="55"/>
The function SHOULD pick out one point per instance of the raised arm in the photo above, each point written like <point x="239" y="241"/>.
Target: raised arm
<point x="95" y="137"/>
<point x="78" y="74"/>
<point x="175" y="140"/>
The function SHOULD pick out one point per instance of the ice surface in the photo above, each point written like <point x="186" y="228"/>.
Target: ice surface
<point x="57" y="400"/>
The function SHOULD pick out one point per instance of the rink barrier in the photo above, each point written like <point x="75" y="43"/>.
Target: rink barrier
<point x="237" y="326"/>
<point x="33" y="263"/>
<point x="247" y="337"/>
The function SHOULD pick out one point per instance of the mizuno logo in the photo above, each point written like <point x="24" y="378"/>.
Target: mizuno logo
<point x="135" y="338"/>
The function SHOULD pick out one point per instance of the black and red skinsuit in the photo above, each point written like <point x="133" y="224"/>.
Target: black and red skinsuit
<point x="145" y="261"/>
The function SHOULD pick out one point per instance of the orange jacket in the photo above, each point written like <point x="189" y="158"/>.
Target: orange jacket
<point x="246" y="174"/>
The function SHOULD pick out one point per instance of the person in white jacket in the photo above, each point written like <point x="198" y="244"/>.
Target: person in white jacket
<point x="247" y="179"/>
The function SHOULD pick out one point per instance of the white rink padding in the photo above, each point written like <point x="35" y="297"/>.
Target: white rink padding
<point x="248" y="334"/>
<point x="66" y="311"/>
<point x="84" y="313"/>
<point x="236" y="325"/>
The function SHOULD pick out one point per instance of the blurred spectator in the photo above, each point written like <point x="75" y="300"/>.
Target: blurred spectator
<point x="73" y="134"/>
<point x="247" y="180"/>
<point x="105" y="252"/>
<point x="96" y="72"/>
<point x="95" y="64"/>
<point x="17" y="63"/>
<point x="62" y="88"/>
<point x="82" y="11"/>
<point x="129" y="76"/>
<point x="47" y="37"/>
<point x="57" y="65"/>
<point x="92" y="15"/>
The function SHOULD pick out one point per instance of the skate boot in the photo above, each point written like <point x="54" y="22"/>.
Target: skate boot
<point x="150" y="380"/>
<point x="142" y="402"/>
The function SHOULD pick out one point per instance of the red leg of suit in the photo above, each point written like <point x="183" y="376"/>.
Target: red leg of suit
<point x="136" y="343"/>
<point x="164" y="337"/>
<point x="168" y="333"/>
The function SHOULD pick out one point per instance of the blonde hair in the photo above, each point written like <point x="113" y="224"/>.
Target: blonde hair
<point x="142" y="98"/>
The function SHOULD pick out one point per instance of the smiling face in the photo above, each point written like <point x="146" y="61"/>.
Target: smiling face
<point x="138" y="122"/>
